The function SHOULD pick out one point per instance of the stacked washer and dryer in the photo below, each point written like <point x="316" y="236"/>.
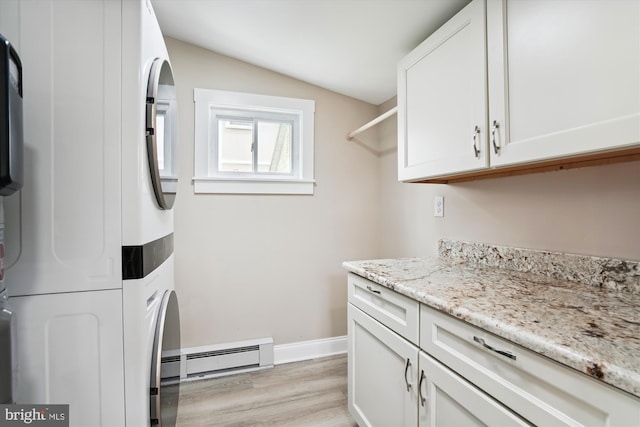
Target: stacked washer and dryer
<point x="90" y="239"/>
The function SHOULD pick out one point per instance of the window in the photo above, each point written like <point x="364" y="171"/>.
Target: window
<point x="253" y="144"/>
<point x="166" y="138"/>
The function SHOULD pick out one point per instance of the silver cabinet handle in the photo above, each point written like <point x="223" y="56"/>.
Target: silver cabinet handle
<point x="423" y="400"/>
<point x="495" y="350"/>
<point x="406" y="369"/>
<point x="476" y="151"/>
<point x="375" y="291"/>
<point x="495" y="127"/>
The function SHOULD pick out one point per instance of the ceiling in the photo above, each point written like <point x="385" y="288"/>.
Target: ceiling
<point x="347" y="46"/>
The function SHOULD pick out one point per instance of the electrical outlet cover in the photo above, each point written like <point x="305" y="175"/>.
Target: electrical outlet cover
<point x="438" y="206"/>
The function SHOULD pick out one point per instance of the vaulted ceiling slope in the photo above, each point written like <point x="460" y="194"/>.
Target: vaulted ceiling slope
<point x="348" y="46"/>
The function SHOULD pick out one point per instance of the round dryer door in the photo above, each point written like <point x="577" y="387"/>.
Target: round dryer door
<point x="165" y="364"/>
<point x="162" y="133"/>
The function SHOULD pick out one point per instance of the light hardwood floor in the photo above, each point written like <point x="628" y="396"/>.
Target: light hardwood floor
<point x="302" y="394"/>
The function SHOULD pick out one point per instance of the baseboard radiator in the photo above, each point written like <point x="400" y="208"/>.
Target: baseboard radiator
<point x="219" y="359"/>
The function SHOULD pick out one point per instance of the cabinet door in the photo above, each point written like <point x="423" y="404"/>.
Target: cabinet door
<point x="563" y="77"/>
<point x="447" y="399"/>
<point x="383" y="370"/>
<point x="442" y="111"/>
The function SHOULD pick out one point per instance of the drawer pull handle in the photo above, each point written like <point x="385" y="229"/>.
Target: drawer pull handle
<point x="406" y="369"/>
<point x="423" y="400"/>
<point x="495" y="350"/>
<point x="375" y="291"/>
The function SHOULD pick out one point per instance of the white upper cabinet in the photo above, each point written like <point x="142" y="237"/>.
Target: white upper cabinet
<point x="559" y="79"/>
<point x="442" y="113"/>
<point x="564" y="77"/>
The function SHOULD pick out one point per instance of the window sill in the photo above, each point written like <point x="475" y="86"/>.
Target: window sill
<point x="204" y="185"/>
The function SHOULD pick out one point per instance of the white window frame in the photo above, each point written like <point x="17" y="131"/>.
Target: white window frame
<point x="211" y="104"/>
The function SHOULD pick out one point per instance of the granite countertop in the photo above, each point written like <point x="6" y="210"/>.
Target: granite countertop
<point x="583" y="312"/>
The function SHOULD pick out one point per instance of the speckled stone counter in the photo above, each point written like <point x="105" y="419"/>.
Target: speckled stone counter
<point x="592" y="327"/>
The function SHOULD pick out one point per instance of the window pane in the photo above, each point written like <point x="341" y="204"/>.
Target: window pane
<point x="235" y="140"/>
<point x="274" y="147"/>
<point x="160" y="140"/>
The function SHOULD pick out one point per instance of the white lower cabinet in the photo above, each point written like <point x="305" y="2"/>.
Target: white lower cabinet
<point x="446" y="399"/>
<point x="455" y="374"/>
<point x="383" y="372"/>
<point x="393" y="384"/>
<point x="536" y="388"/>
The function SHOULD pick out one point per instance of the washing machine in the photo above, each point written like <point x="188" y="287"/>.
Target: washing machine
<point x="91" y="234"/>
<point x="152" y="365"/>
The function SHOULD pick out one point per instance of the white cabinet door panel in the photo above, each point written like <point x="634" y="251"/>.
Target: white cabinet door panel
<point x="450" y="401"/>
<point x="379" y="374"/>
<point x="441" y="100"/>
<point x="564" y="77"/>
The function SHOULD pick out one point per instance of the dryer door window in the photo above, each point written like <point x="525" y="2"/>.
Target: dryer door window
<point x="165" y="364"/>
<point x="162" y="133"/>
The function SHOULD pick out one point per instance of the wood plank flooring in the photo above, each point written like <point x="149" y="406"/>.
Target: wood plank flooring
<point x="302" y="394"/>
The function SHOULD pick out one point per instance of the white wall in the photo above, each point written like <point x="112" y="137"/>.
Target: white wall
<point x="251" y="266"/>
<point x="591" y="211"/>
<point x="254" y="266"/>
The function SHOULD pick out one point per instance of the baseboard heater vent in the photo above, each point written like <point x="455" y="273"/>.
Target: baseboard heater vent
<point x="207" y="354"/>
<point x="223" y="359"/>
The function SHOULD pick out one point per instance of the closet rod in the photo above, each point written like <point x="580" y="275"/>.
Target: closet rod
<point x="373" y="122"/>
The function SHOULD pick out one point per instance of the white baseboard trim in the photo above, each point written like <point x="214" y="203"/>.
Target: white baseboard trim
<point x="306" y="350"/>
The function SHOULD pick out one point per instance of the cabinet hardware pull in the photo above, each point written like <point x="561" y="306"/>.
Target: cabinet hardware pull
<point x="375" y="291"/>
<point x="423" y="400"/>
<point x="494" y="127"/>
<point x="476" y="151"/>
<point x="495" y="350"/>
<point x="406" y="369"/>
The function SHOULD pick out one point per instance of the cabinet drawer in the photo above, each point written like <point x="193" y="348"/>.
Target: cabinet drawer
<point x="540" y="390"/>
<point x="397" y="312"/>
